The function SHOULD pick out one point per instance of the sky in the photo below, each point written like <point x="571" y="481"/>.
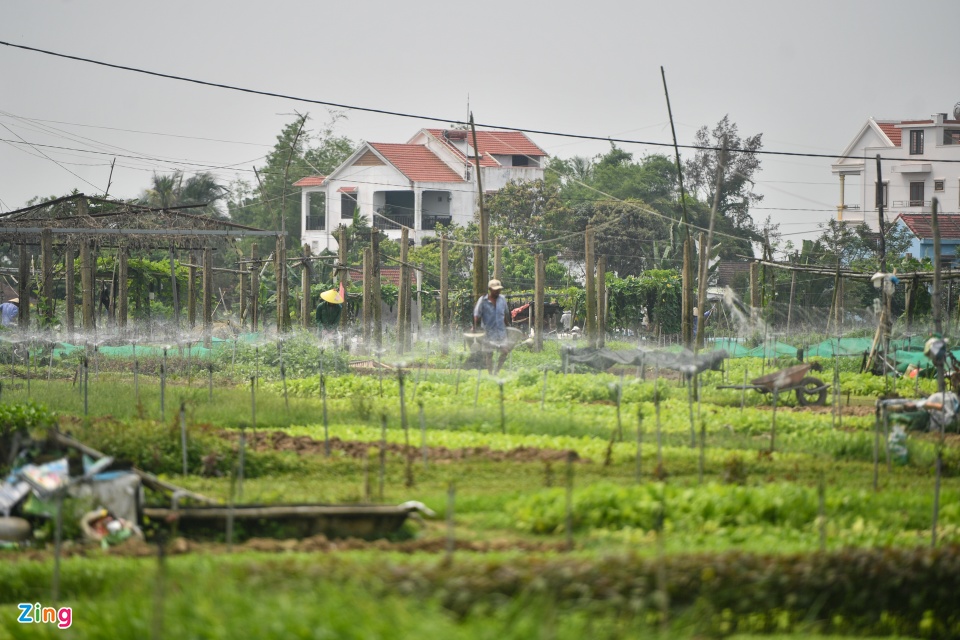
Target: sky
<point x="806" y="75"/>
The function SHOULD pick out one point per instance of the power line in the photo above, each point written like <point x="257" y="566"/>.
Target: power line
<point x="414" y="116"/>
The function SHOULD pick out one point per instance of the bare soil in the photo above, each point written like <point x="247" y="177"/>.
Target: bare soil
<point x="305" y="445"/>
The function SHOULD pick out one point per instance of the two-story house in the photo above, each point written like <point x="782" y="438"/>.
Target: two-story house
<point x="428" y="181"/>
<point x="920" y="163"/>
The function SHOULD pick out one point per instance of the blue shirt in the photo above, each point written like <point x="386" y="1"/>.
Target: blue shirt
<point x="491" y="316"/>
<point x="8" y="313"/>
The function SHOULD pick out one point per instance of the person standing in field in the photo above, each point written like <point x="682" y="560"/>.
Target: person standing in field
<point x="493" y="313"/>
<point x="9" y="311"/>
<point x="328" y="311"/>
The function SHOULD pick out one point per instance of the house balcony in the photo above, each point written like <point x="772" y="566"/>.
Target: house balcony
<point x="387" y="219"/>
<point x="926" y="204"/>
<point x="315" y="223"/>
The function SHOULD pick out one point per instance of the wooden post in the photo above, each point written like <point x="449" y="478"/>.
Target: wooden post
<point x="122" y="277"/>
<point x="686" y="283"/>
<point x="403" y="302"/>
<point x="793" y="285"/>
<point x="283" y="290"/>
<point x="539" y="278"/>
<point x="254" y="288"/>
<point x="754" y="285"/>
<point x="46" y="293"/>
<point x="305" y="302"/>
<point x="175" y="290"/>
<point x="192" y="291"/>
<point x="207" y="294"/>
<point x="935" y="228"/>
<point x="87" y="270"/>
<point x="344" y="274"/>
<point x="702" y="258"/>
<point x="591" y="294"/>
<point x="23" y="288"/>
<point x="497" y="264"/>
<point x="368" y="300"/>
<point x="243" y="294"/>
<point x="602" y="301"/>
<point x="444" y="296"/>
<point x="377" y="304"/>
<point x="910" y="300"/>
<point x="69" y="258"/>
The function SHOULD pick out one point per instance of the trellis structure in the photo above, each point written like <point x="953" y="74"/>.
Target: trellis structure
<point x="79" y="224"/>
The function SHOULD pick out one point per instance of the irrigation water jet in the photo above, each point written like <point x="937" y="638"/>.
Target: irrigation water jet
<point x="326" y="424"/>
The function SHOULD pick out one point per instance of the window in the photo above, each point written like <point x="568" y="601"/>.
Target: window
<point x="880" y="195"/>
<point x="951" y="136"/>
<point x="916" y="142"/>
<point x="916" y="194"/>
<point x="520" y="161"/>
<point x="938" y="185"/>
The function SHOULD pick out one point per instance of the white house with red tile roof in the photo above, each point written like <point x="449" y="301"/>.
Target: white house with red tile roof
<point x="426" y="181"/>
<point x="921" y="161"/>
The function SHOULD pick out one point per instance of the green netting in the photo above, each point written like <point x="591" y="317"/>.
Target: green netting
<point x="771" y="350"/>
<point x="846" y="347"/>
<point x="730" y="345"/>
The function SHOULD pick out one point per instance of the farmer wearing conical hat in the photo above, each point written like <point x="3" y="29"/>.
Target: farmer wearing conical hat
<point x="329" y="310"/>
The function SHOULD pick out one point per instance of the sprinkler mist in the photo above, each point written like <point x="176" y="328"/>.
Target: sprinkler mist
<point x="163" y="383"/>
<point x="326" y="425"/>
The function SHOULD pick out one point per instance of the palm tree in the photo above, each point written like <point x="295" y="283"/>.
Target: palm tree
<point x="169" y="191"/>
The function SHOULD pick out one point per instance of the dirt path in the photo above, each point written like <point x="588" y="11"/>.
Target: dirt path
<point x="305" y="445"/>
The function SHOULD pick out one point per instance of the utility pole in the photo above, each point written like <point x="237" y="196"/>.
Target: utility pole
<point x="480" y="267"/>
<point x="687" y="282"/>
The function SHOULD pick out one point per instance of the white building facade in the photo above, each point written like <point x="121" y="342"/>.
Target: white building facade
<point x="428" y="181"/>
<point x="920" y="162"/>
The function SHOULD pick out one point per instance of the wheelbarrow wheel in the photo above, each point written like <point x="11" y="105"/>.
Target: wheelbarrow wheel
<point x="811" y="392"/>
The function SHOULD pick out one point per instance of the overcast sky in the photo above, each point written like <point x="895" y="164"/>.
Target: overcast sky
<point x="805" y="74"/>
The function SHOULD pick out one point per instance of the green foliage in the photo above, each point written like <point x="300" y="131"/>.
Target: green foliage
<point x="156" y="447"/>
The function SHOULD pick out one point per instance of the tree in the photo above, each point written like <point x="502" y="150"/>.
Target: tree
<point x="527" y="211"/>
<point x="737" y="184"/>
<point x="168" y="191"/>
<point x="309" y="153"/>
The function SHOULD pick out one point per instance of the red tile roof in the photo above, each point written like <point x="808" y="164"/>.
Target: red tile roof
<point x="891" y="131"/>
<point x="417" y="162"/>
<point x="347" y="190"/>
<point x="310" y="181"/>
<point x="499" y="143"/>
<point x="919" y="225"/>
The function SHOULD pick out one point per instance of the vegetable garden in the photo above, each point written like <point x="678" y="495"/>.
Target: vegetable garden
<point x="568" y="502"/>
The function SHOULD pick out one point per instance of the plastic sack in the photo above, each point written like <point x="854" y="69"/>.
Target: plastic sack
<point x="897" y="445"/>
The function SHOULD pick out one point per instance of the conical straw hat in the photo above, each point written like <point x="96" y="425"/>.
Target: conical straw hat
<point x="331" y="296"/>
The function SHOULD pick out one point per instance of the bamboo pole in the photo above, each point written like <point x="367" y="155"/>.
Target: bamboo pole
<point x="754" y="285"/>
<point x="244" y="294"/>
<point x="283" y="291"/>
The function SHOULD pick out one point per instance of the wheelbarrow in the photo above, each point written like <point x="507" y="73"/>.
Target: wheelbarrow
<point x="810" y="390"/>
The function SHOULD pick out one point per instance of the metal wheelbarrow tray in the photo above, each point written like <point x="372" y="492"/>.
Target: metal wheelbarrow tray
<point x="809" y="390"/>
